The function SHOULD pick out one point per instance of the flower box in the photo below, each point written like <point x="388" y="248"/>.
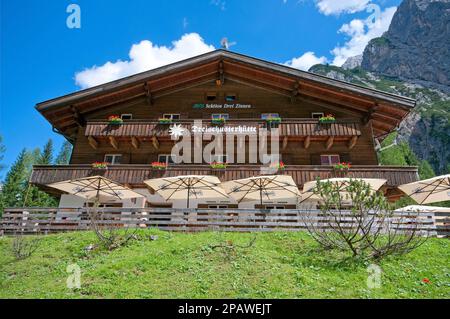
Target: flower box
<point x="165" y="121"/>
<point x="279" y="166"/>
<point x="218" y="121"/>
<point x="115" y="120"/>
<point x="342" y="166"/>
<point x="159" y="166"/>
<point x="218" y="165"/>
<point x="327" y="119"/>
<point x="100" y="165"/>
<point x="273" y="122"/>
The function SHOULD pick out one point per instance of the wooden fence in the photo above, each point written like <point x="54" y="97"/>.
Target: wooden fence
<point x="50" y="220"/>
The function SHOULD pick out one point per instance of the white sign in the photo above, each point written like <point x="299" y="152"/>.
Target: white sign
<point x="224" y="129"/>
<point x="222" y="106"/>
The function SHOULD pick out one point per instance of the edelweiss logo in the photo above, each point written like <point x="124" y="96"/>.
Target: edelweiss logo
<point x="176" y="131"/>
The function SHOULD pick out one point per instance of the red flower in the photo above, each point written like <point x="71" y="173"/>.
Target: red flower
<point x="159" y="165"/>
<point x="426" y="281"/>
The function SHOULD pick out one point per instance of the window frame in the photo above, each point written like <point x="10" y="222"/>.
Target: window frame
<point x="167" y="161"/>
<point x="170" y="116"/>
<point x="329" y="159"/>
<point x="212" y="158"/>
<point x="265" y="116"/>
<point x="130" y="115"/>
<point x="229" y="95"/>
<point x="319" y="114"/>
<point x="217" y="206"/>
<point x="211" y="94"/>
<point x="114" y="156"/>
<point x="275" y="206"/>
<point x="220" y="115"/>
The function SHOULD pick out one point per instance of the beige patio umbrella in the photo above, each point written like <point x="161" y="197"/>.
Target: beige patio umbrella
<point x="433" y="190"/>
<point x="187" y="187"/>
<point x="262" y="188"/>
<point x="95" y="188"/>
<point x="341" y="184"/>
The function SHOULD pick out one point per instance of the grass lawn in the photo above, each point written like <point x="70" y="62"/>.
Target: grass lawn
<point x="179" y="265"/>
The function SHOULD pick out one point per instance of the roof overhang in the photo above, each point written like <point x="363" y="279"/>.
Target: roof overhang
<point x="385" y="110"/>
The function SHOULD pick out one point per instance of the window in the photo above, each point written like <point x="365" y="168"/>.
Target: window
<point x="172" y="116"/>
<point x="230" y="97"/>
<point x="329" y="159"/>
<point x="220" y="115"/>
<point x="166" y="158"/>
<point x="265" y="116"/>
<point x="218" y="206"/>
<point x="317" y="115"/>
<point x="274" y="207"/>
<point x="113" y="159"/>
<point x="219" y="158"/>
<point x="126" y="116"/>
<point x="211" y="96"/>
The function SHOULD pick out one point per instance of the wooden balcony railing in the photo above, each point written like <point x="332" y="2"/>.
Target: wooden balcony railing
<point x="134" y="174"/>
<point x="288" y="127"/>
<point x="40" y="221"/>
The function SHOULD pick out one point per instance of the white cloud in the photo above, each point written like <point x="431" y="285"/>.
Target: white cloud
<point x="143" y="56"/>
<point x="336" y="7"/>
<point x="306" y="61"/>
<point x="360" y="33"/>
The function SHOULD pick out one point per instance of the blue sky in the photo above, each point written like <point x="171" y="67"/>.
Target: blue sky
<point x="41" y="57"/>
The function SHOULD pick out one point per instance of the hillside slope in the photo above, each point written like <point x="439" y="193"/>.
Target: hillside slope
<point x="180" y="265"/>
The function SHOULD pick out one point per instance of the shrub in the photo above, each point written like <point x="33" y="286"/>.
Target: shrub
<point x="368" y="227"/>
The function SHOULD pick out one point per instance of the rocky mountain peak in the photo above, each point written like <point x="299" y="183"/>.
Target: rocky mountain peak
<point x="423" y="4"/>
<point x="353" y="62"/>
<point x="416" y="46"/>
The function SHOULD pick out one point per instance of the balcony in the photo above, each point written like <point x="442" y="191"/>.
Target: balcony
<point x="134" y="174"/>
<point x="289" y="128"/>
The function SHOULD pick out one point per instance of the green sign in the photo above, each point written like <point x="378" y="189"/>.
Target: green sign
<point x="199" y="106"/>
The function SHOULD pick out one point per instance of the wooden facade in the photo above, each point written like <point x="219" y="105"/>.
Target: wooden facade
<point x="254" y="88"/>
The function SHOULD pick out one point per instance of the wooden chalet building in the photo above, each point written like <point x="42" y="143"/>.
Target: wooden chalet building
<point x="245" y="91"/>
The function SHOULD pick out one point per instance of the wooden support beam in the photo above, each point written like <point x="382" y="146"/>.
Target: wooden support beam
<point x="352" y="142"/>
<point x="285" y="143"/>
<point x="155" y="142"/>
<point x="93" y="142"/>
<point x="135" y="142"/>
<point x="368" y="117"/>
<point x="221" y="80"/>
<point x="148" y="93"/>
<point x="295" y="92"/>
<point x="77" y="117"/>
<point x="113" y="142"/>
<point x="307" y="142"/>
<point x="329" y="142"/>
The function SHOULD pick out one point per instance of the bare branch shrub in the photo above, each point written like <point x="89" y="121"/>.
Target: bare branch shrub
<point x="357" y="219"/>
<point x="110" y="233"/>
<point x="23" y="246"/>
<point x="229" y="249"/>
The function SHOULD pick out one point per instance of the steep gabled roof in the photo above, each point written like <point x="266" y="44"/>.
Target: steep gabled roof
<point x="384" y="109"/>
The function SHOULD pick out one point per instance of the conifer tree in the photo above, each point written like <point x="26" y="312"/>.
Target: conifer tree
<point x="15" y="183"/>
<point x="2" y="151"/>
<point x="46" y="156"/>
<point x="63" y="157"/>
